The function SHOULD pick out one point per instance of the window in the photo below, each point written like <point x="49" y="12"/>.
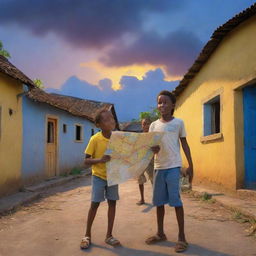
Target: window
<point x="78" y="131"/>
<point x="212" y="116"/>
<point x="64" y="128"/>
<point x="92" y="132"/>
<point x="50" y="132"/>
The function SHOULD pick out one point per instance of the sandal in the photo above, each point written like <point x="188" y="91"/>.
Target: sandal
<point x="140" y="202"/>
<point x="85" y="243"/>
<point x="181" y="246"/>
<point x="112" y="241"/>
<point x="155" y="239"/>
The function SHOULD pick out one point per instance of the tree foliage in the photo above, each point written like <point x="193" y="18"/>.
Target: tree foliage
<point x="3" y="52"/>
<point x="152" y="115"/>
<point x="38" y="83"/>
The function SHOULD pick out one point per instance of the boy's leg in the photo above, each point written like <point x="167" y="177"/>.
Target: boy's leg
<point x="111" y="196"/>
<point x="160" y="235"/>
<point x="173" y="181"/>
<point x="98" y="188"/>
<point x="91" y="215"/>
<point x="111" y="216"/>
<point x="160" y="198"/>
<point x="182" y="244"/>
<point x="142" y="200"/>
<point x="180" y="219"/>
<point x="141" y="180"/>
<point x="160" y="212"/>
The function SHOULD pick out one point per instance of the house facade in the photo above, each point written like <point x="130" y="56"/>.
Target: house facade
<point x="56" y="130"/>
<point x="42" y="135"/>
<point x="217" y="100"/>
<point x="12" y="83"/>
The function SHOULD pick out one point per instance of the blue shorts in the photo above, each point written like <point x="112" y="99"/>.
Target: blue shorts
<point x="100" y="190"/>
<point x="166" y="187"/>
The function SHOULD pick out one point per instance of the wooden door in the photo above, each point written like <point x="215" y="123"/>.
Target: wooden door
<point x="51" y="147"/>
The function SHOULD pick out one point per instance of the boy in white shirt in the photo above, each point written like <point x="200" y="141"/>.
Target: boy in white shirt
<point x="167" y="167"/>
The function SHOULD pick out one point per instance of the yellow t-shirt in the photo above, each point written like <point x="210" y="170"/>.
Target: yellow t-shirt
<point x="96" y="148"/>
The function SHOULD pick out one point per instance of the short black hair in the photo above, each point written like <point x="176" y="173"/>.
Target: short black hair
<point x="98" y="115"/>
<point x="170" y="95"/>
<point x="149" y="119"/>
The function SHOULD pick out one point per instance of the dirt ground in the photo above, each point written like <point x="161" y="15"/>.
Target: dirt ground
<point x="55" y="224"/>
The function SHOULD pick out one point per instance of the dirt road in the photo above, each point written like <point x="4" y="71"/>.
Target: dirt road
<point x="54" y="225"/>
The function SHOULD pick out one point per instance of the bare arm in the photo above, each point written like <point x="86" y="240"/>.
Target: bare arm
<point x="88" y="161"/>
<point x="186" y="149"/>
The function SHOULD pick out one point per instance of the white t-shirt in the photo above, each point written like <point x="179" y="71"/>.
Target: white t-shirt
<point x="169" y="154"/>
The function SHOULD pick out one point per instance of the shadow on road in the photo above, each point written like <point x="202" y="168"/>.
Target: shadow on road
<point x="148" y="208"/>
<point x="125" y="251"/>
<point x="195" y="249"/>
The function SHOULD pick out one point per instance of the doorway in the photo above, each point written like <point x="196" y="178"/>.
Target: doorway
<point x="249" y="104"/>
<point x="51" y="147"/>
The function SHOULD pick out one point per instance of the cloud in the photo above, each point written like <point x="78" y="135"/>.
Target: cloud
<point x="97" y="24"/>
<point x="120" y="33"/>
<point x="176" y="51"/>
<point x="136" y="95"/>
<point x="83" y="23"/>
<point x="116" y="73"/>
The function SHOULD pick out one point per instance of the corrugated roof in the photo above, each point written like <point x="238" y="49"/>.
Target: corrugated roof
<point x="131" y="127"/>
<point x="76" y="106"/>
<point x="216" y="38"/>
<point x="9" y="69"/>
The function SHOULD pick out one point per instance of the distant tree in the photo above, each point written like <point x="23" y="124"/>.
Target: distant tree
<point x="153" y="114"/>
<point x="3" y="52"/>
<point x="38" y="83"/>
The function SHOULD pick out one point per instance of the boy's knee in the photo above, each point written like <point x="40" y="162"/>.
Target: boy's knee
<point x="112" y="203"/>
<point x="179" y="208"/>
<point x="95" y="205"/>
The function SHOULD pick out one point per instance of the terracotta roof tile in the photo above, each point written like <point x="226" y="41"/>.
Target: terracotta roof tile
<point x="76" y="106"/>
<point x="9" y="69"/>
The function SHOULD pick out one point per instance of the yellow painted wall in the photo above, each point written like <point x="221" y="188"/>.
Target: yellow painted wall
<point x="230" y="66"/>
<point x="10" y="135"/>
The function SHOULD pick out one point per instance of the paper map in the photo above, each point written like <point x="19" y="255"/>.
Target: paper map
<point x="130" y="154"/>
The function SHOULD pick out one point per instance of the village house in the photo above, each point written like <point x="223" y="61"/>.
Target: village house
<point x="217" y="100"/>
<point x="12" y="83"/>
<point x="134" y="126"/>
<point x="56" y="130"/>
<point x="42" y="135"/>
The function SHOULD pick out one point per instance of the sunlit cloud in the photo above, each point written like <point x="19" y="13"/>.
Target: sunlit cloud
<point x="115" y="74"/>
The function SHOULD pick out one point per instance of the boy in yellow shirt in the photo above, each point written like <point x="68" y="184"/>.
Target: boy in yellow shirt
<point x="100" y="191"/>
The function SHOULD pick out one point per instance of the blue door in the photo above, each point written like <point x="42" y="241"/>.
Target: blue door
<point x="249" y="102"/>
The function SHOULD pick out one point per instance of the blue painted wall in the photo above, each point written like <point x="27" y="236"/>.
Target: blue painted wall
<point x="249" y="102"/>
<point x="70" y="153"/>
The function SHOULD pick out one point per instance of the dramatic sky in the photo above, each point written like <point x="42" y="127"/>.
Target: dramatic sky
<point x="120" y="51"/>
